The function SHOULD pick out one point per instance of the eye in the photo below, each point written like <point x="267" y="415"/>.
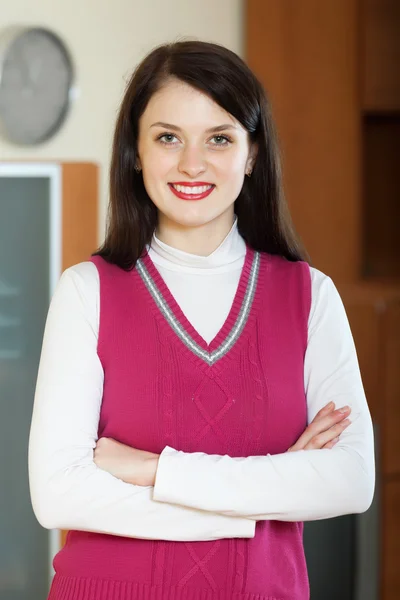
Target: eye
<point x="222" y="140"/>
<point x="165" y="138"/>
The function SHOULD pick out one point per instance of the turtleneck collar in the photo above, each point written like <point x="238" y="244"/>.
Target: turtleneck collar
<point x="228" y="256"/>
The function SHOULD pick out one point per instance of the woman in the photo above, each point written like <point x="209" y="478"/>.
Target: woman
<point x="190" y="363"/>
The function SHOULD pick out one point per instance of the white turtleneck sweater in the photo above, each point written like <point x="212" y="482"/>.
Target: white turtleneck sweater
<point x="196" y="496"/>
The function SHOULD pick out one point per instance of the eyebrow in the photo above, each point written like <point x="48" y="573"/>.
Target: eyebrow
<point x="176" y="128"/>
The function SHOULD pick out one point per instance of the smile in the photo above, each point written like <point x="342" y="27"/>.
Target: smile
<point x="191" y="192"/>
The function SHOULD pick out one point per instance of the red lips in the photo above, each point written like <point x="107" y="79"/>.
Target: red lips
<point x="184" y="196"/>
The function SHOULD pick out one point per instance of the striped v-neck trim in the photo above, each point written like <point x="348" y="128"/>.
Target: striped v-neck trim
<point x="209" y="357"/>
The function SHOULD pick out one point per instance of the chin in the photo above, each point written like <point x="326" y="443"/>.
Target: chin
<point x="193" y="220"/>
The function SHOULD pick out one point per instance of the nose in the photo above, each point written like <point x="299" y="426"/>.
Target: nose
<point x="192" y="161"/>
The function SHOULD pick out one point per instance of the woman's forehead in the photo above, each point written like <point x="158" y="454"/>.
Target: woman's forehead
<point x="184" y="106"/>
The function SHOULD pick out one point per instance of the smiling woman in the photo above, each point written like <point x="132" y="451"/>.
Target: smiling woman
<point x="197" y="375"/>
<point x="174" y="164"/>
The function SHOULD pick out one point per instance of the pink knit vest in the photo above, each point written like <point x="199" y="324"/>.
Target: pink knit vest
<point x="241" y="395"/>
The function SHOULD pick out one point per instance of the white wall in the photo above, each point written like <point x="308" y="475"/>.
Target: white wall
<point x="107" y="38"/>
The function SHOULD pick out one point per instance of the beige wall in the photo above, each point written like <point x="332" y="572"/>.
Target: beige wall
<point x="106" y="39"/>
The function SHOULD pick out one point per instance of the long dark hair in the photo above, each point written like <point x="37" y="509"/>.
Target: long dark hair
<point x="263" y="218"/>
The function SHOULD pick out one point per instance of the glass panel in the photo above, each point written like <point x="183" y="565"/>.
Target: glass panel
<point x="24" y="300"/>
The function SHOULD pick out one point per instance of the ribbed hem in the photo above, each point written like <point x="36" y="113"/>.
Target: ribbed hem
<point x="74" y="588"/>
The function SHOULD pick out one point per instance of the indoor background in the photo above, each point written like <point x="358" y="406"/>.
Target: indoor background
<point x="331" y="68"/>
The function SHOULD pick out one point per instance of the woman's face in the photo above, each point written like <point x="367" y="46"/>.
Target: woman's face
<point x="186" y="139"/>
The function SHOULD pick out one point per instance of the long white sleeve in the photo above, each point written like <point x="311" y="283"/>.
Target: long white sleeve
<point x="68" y="490"/>
<point x="296" y="486"/>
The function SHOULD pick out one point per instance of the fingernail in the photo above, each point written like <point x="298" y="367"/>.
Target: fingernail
<point x="330" y="405"/>
<point x="345" y="422"/>
<point x="335" y="441"/>
<point x="345" y="409"/>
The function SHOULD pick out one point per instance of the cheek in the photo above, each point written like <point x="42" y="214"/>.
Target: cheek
<point x="158" y="166"/>
<point x="231" y="166"/>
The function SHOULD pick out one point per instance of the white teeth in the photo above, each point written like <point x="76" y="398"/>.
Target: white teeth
<point x="192" y="190"/>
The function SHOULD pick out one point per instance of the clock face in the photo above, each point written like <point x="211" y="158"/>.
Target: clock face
<point x="36" y="77"/>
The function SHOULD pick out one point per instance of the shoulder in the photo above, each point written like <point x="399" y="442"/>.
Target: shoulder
<point x="320" y="283"/>
<point x="84" y="276"/>
<point x="319" y="289"/>
<point x="79" y="285"/>
<point x="326" y="301"/>
<point x="322" y="286"/>
<point x="289" y="274"/>
<point x="319" y="279"/>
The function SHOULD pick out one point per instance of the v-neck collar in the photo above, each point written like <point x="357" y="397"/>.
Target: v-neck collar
<point x="168" y="310"/>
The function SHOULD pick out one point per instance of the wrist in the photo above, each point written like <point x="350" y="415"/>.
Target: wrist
<point x="153" y="470"/>
<point x="147" y="474"/>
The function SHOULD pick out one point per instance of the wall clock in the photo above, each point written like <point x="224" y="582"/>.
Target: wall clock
<point x="36" y="76"/>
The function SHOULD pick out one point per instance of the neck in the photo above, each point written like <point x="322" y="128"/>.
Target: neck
<point x="201" y="240"/>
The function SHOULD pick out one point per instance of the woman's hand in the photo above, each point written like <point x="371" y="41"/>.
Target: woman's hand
<point x="133" y="466"/>
<point x="324" y="430"/>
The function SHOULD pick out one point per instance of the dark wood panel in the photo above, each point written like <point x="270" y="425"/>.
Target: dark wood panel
<point x="391" y="540"/>
<point x="366" y="326"/>
<point x="391" y="430"/>
<point x="306" y="54"/>
<point x="381" y="183"/>
<point x="381" y="55"/>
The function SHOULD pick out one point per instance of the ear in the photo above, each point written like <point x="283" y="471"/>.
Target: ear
<point x="138" y="164"/>
<point x="251" y="159"/>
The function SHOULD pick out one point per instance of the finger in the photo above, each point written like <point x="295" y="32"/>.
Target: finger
<point x="331" y="444"/>
<point x="325" y="437"/>
<point x="321" y="424"/>
<point x="325" y="410"/>
<point x="317" y="427"/>
<point x="328" y="421"/>
<point x="329" y="418"/>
